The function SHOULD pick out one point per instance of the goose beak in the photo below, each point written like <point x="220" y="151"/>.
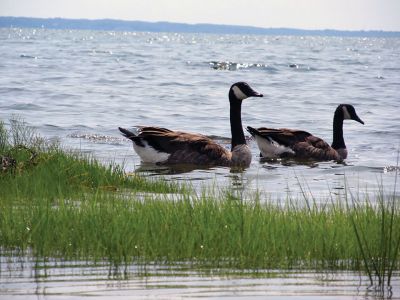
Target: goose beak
<point x="256" y="94"/>
<point x="356" y="118"/>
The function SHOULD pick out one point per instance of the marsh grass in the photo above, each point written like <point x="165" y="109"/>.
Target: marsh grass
<point x="45" y="170"/>
<point x="62" y="205"/>
<point x="380" y="251"/>
<point x="205" y="231"/>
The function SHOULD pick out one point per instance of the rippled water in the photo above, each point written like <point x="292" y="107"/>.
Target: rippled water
<point x="25" y="278"/>
<point x="79" y="86"/>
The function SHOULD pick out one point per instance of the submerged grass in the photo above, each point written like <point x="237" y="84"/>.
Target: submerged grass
<point x="380" y="255"/>
<point x="59" y="204"/>
<point x="207" y="231"/>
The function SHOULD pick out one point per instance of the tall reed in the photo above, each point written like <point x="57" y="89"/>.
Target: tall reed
<point x="379" y="246"/>
<point x="60" y="204"/>
<point x="203" y="229"/>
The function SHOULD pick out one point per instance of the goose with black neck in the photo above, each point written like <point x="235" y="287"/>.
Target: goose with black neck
<point x="298" y="144"/>
<point x="162" y="146"/>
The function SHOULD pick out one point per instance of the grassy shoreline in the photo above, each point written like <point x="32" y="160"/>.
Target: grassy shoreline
<point x="208" y="231"/>
<point x="55" y="203"/>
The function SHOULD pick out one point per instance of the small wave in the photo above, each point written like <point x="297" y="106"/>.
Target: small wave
<point x="300" y="67"/>
<point x="12" y="89"/>
<point x="383" y="132"/>
<point x="391" y="69"/>
<point x="106" y="81"/>
<point x="175" y="83"/>
<point x="234" y="66"/>
<point x="103" y="51"/>
<point x="27" y="56"/>
<point x="348" y="61"/>
<point x="377" y="169"/>
<point x="96" y="138"/>
<point x="54" y="78"/>
<point x="389" y="169"/>
<point x="53" y="126"/>
<point x="25" y="106"/>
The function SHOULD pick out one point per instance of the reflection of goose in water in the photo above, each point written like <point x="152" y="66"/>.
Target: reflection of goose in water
<point x="274" y="143"/>
<point x="163" y="146"/>
<point x="175" y="169"/>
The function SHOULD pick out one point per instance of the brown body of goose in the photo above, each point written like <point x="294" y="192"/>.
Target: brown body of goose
<point x="163" y="146"/>
<point x="281" y="143"/>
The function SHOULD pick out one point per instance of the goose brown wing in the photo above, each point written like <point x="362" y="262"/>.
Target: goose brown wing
<point x="315" y="148"/>
<point x="184" y="147"/>
<point x="284" y="136"/>
<point x="149" y="130"/>
<point x="304" y="144"/>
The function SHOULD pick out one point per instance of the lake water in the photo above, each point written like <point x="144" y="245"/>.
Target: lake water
<point x="79" y="86"/>
<point x="26" y="278"/>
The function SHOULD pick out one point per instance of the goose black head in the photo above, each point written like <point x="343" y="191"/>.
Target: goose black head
<point x="241" y="90"/>
<point x="348" y="112"/>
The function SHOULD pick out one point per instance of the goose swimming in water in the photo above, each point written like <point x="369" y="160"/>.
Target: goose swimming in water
<point x="163" y="146"/>
<point x="275" y="143"/>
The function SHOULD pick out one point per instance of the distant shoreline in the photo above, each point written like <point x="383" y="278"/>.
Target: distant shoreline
<point x="121" y="25"/>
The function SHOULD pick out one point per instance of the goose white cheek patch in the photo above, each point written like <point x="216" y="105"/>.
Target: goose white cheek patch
<point x="238" y="93"/>
<point x="346" y="114"/>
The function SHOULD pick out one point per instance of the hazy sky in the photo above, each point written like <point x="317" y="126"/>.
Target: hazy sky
<point x="307" y="14"/>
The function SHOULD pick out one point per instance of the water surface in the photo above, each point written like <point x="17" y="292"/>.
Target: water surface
<point x="79" y="86"/>
<point x="26" y="278"/>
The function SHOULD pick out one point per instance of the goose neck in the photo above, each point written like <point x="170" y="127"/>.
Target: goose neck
<point x="338" y="140"/>
<point x="236" y="123"/>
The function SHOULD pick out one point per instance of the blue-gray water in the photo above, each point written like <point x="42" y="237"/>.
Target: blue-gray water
<point x="26" y="278"/>
<point x="79" y="86"/>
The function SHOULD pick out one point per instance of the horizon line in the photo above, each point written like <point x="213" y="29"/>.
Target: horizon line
<point x="255" y="29"/>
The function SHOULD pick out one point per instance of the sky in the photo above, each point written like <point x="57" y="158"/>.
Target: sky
<point x="303" y="14"/>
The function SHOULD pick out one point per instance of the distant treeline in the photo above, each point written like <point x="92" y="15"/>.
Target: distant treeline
<point x="120" y="25"/>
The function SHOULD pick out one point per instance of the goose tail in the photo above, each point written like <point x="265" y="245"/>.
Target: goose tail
<point x="128" y="134"/>
<point x="254" y="132"/>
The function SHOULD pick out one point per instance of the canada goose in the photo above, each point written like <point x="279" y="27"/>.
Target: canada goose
<point x="163" y="146"/>
<point x="274" y="143"/>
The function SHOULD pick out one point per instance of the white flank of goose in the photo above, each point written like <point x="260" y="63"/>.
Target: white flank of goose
<point x="283" y="142"/>
<point x="163" y="146"/>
